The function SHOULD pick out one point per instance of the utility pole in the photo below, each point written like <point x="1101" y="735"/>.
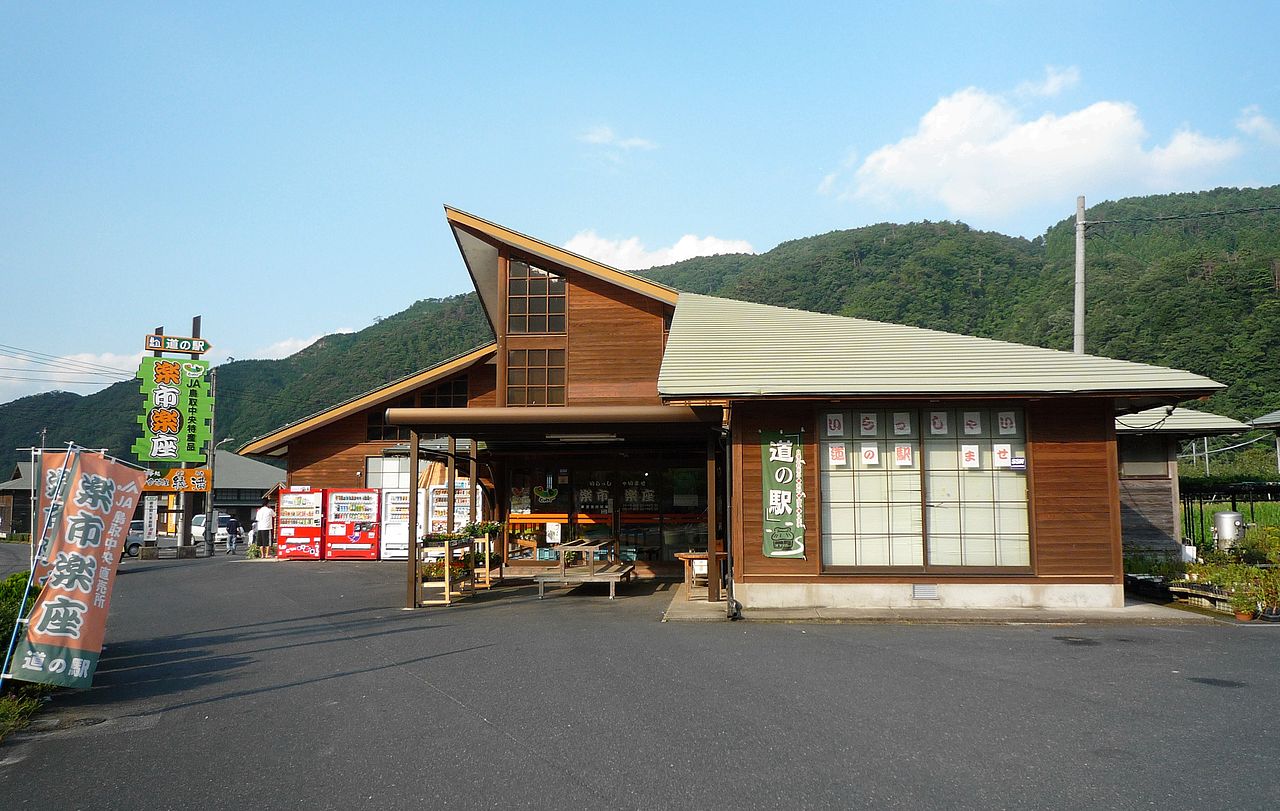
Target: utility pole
<point x="1078" y="343"/>
<point x="211" y="515"/>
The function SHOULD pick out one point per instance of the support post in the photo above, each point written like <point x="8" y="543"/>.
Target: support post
<point x="411" y="596"/>
<point x="713" y="541"/>
<point x="451" y="466"/>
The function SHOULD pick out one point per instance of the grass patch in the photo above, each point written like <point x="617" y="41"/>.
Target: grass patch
<point x="18" y="705"/>
<point x="19" y="701"/>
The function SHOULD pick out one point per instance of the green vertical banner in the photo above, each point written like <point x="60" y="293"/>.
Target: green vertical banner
<point x="783" y="480"/>
<point x="177" y="411"/>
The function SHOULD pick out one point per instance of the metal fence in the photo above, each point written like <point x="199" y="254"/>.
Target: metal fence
<point x="1257" y="502"/>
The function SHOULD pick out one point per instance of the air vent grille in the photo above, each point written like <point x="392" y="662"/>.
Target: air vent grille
<point x="924" y="591"/>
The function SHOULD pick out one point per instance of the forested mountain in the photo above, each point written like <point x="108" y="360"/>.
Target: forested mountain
<point x="1198" y="294"/>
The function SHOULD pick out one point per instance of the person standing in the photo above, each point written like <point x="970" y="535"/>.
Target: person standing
<point x="264" y="527"/>
<point x="233" y="534"/>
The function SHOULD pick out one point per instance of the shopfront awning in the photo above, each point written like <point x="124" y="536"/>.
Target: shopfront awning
<point x="564" y="424"/>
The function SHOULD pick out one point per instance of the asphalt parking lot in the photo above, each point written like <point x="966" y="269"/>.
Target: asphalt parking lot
<point x="229" y="684"/>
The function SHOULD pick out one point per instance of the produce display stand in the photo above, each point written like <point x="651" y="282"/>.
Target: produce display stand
<point x="455" y="583"/>
<point x="483" y="545"/>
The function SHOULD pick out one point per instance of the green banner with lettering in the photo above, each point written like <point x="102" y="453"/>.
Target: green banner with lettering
<point x="177" y="412"/>
<point x="783" y="480"/>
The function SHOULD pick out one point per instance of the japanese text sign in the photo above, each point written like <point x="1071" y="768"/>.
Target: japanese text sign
<point x="177" y="411"/>
<point x="64" y="633"/>
<point x="174" y="343"/>
<point x="178" y="480"/>
<point x="55" y="471"/>
<point x="783" y="481"/>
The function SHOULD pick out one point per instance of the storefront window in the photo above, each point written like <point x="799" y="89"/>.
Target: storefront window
<point x="971" y="463"/>
<point x="653" y="508"/>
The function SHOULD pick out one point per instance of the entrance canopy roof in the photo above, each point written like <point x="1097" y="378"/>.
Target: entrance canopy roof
<point x="562" y="425"/>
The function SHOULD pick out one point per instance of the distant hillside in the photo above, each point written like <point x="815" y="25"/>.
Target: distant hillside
<point x="1197" y="294"/>
<point x="256" y="396"/>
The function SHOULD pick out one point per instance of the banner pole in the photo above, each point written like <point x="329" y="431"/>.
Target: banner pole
<point x="72" y="449"/>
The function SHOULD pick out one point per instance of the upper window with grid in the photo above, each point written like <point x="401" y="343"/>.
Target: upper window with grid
<point x="535" y="300"/>
<point x="449" y="394"/>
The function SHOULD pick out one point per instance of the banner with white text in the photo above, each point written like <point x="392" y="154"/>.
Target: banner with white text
<point x="63" y="639"/>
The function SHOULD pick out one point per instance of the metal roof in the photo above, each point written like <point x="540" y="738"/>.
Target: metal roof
<point x="236" y="471"/>
<point x="21" y="479"/>
<point x="1185" y="421"/>
<point x="724" y="348"/>
<point x="277" y="442"/>
<point x="1271" y="420"/>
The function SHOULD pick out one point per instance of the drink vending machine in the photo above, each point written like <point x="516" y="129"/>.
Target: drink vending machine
<point x="351" y="525"/>
<point x="395" y="522"/>
<point x="301" y="520"/>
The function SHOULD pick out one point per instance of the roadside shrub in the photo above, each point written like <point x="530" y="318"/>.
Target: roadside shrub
<point x="1259" y="545"/>
<point x="12" y="589"/>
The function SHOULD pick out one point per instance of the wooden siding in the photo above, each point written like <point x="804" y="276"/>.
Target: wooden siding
<point x="1072" y="498"/>
<point x="1149" y="515"/>
<point x="748" y="506"/>
<point x="1075" y="510"/>
<point x="615" y="344"/>
<point x="482" y="386"/>
<point x="334" y="453"/>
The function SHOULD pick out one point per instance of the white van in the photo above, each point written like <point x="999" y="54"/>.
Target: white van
<point x="220" y="537"/>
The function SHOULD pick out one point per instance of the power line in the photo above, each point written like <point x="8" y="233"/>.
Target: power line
<point x="47" y="359"/>
<point x="1192" y="216"/>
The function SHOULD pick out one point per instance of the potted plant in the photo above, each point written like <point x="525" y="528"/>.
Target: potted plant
<point x="1244" y="602"/>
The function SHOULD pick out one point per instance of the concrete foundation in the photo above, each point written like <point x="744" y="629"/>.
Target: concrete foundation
<point x="950" y="596"/>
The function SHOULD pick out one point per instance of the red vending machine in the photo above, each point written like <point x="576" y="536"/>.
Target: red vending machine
<point x="300" y="520"/>
<point x="351" y="525"/>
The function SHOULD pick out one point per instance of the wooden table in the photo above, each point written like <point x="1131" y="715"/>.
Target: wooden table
<point x="589" y="548"/>
<point x="689" y="558"/>
<point x="611" y="571"/>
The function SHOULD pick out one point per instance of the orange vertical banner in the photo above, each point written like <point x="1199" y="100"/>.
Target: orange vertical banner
<point x="64" y="632"/>
<point x="55" y="471"/>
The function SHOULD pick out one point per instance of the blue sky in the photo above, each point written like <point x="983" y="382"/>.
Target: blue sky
<point x="280" y="168"/>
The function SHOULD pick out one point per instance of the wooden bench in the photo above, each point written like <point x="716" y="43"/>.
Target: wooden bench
<point x="611" y="573"/>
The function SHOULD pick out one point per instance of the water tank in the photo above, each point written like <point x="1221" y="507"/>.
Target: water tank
<point x="1228" y="527"/>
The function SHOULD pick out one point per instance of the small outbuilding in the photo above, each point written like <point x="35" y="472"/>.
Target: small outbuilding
<point x="1147" y="443"/>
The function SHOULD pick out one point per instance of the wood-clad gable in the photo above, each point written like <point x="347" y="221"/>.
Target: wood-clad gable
<point x="613" y="338"/>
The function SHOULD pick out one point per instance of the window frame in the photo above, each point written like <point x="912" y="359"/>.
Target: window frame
<point x="919" y="437"/>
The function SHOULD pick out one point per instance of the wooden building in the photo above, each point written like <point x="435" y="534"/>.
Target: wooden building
<point x="1147" y="444"/>
<point x="837" y="461"/>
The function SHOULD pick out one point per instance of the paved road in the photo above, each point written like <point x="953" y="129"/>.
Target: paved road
<point x="237" y="684"/>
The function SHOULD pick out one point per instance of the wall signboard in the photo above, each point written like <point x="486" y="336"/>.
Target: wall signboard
<point x="783" y="481"/>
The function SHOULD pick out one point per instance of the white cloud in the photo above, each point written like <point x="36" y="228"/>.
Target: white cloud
<point x="1253" y="122"/>
<point x="983" y="160"/>
<point x="1054" y="82"/>
<point x="289" y="346"/>
<point x="605" y="136"/>
<point x="631" y="254"/>
<point x="83" y="373"/>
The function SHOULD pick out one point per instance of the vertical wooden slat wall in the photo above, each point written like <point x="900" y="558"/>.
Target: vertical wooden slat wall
<point x="1076" y="502"/>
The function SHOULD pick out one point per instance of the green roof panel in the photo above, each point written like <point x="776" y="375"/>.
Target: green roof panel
<point x="724" y="348"/>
